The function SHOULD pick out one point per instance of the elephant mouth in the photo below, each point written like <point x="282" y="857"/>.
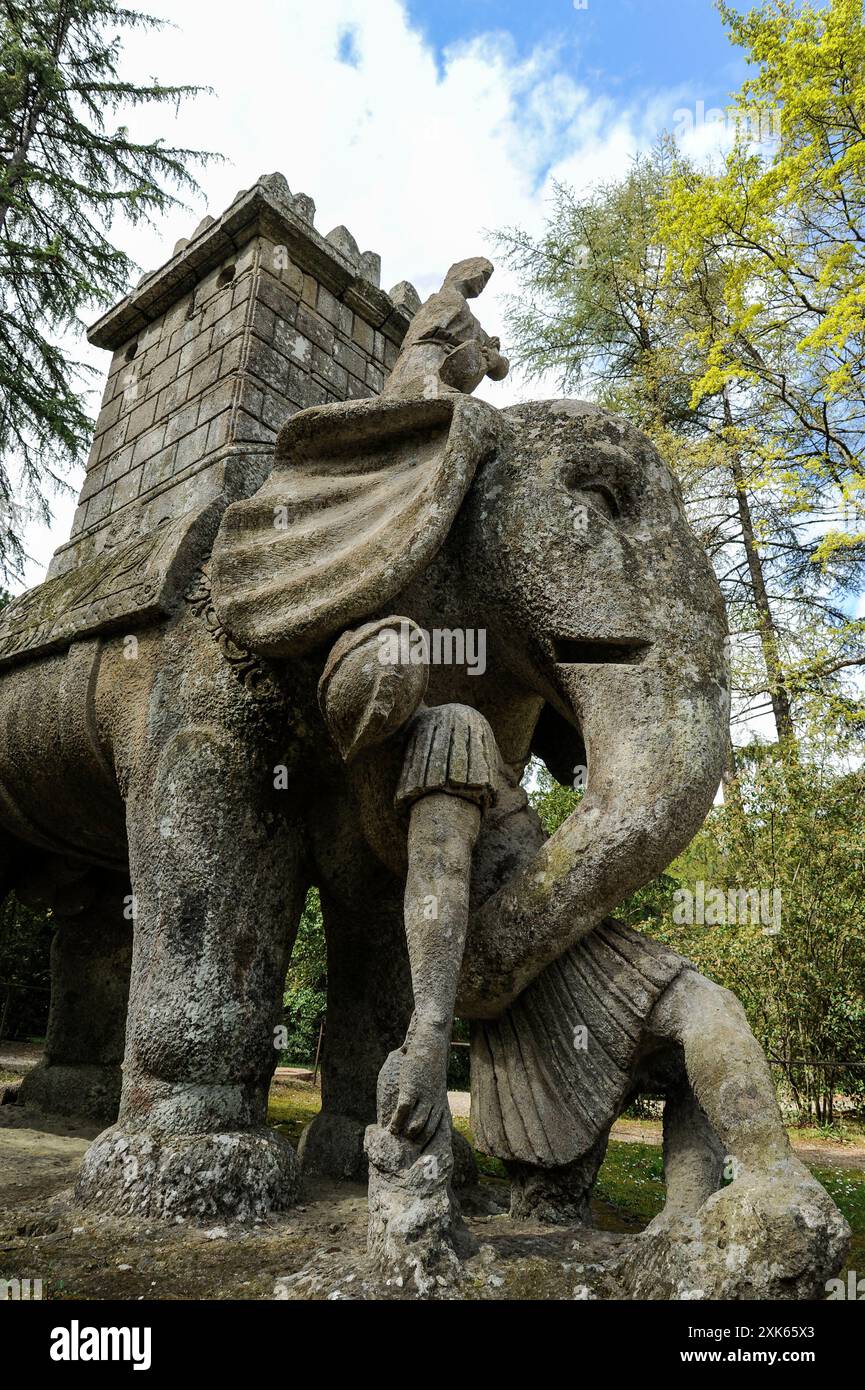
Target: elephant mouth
<point x="593" y="651"/>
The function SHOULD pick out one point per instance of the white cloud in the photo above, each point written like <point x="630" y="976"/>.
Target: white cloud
<point x="416" y="153"/>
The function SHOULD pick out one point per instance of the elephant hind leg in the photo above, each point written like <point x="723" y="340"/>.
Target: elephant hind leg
<point x="369" y="1003"/>
<point x="91" y="952"/>
<point x="556" y="1196"/>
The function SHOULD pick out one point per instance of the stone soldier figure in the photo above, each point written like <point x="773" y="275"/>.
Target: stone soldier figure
<point x="445" y="348"/>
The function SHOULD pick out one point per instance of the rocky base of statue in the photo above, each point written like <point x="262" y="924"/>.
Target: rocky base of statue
<point x="415" y="1233"/>
<point x="81" y="1092"/>
<point x="240" y="1175"/>
<point x="777" y="1235"/>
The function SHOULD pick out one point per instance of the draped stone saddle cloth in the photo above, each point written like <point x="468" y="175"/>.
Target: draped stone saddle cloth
<point x="543" y="1091"/>
<point x="126" y="586"/>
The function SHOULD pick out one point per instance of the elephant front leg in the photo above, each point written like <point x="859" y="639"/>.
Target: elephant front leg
<point x="216" y="882"/>
<point x="80" y="1075"/>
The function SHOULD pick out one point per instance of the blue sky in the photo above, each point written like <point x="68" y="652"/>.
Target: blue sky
<point x="617" y="46"/>
<point x="419" y="124"/>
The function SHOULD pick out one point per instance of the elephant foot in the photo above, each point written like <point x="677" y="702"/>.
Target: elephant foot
<point x="331" y="1146"/>
<point x="775" y="1235"/>
<point x="556" y="1196"/>
<point x="240" y="1175"/>
<point x="80" y="1091"/>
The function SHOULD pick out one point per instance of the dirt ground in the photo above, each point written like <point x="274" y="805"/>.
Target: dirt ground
<point x="316" y="1251"/>
<point x="818" y="1153"/>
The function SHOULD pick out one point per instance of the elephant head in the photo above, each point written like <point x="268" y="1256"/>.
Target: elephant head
<point x="607" y="605"/>
<point x="556" y="528"/>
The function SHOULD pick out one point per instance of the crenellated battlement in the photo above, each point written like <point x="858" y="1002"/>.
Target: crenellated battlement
<point x="254" y="317"/>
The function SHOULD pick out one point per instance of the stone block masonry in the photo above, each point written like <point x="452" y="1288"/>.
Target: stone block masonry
<point x="255" y="317"/>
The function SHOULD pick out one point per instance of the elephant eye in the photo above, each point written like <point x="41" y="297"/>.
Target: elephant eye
<point x="598" y="493"/>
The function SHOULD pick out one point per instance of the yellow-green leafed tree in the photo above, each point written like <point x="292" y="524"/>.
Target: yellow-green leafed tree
<point x="692" y="300"/>
<point x="602" y="310"/>
<point x="783" y="226"/>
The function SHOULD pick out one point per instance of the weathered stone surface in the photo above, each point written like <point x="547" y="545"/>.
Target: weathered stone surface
<point x="445" y="348"/>
<point x="370" y="267"/>
<point x="204" y="755"/>
<point x="411" y="461"/>
<point x="556" y="1196"/>
<point x="406" y="296"/>
<point x="770" y="1235"/>
<point x="196" y="1177"/>
<point x="91" y="958"/>
<point x="550" y="1073"/>
<point x="304" y="206"/>
<point x="415" y="1230"/>
<point x="126" y="586"/>
<point x="465" y="1169"/>
<point x="638" y="626"/>
<point x="343" y="240"/>
<point x="332" y="1146"/>
<point x="215" y="317"/>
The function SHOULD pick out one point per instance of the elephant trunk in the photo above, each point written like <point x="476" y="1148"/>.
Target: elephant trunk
<point x="655" y="734"/>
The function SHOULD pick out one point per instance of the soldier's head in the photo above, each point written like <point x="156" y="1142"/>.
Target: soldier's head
<point x="470" y="276"/>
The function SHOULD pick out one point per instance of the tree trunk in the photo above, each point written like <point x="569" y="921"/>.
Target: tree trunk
<point x="778" y="693"/>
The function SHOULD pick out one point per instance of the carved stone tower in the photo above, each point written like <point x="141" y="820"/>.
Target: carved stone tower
<point x="252" y="319"/>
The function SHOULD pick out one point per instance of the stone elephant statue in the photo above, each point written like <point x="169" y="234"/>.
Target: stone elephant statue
<point x="202" y="768"/>
<point x="178" y="776"/>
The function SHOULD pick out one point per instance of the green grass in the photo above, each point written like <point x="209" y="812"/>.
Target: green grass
<point x="291" y="1108"/>
<point x="844" y="1131"/>
<point x="630" y="1188"/>
<point x="846" y="1187"/>
<point x="631" y="1182"/>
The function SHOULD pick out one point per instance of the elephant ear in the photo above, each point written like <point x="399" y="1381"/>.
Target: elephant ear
<point x="361" y="497"/>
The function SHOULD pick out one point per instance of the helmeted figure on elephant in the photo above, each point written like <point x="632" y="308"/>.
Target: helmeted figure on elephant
<point x="555" y="529"/>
